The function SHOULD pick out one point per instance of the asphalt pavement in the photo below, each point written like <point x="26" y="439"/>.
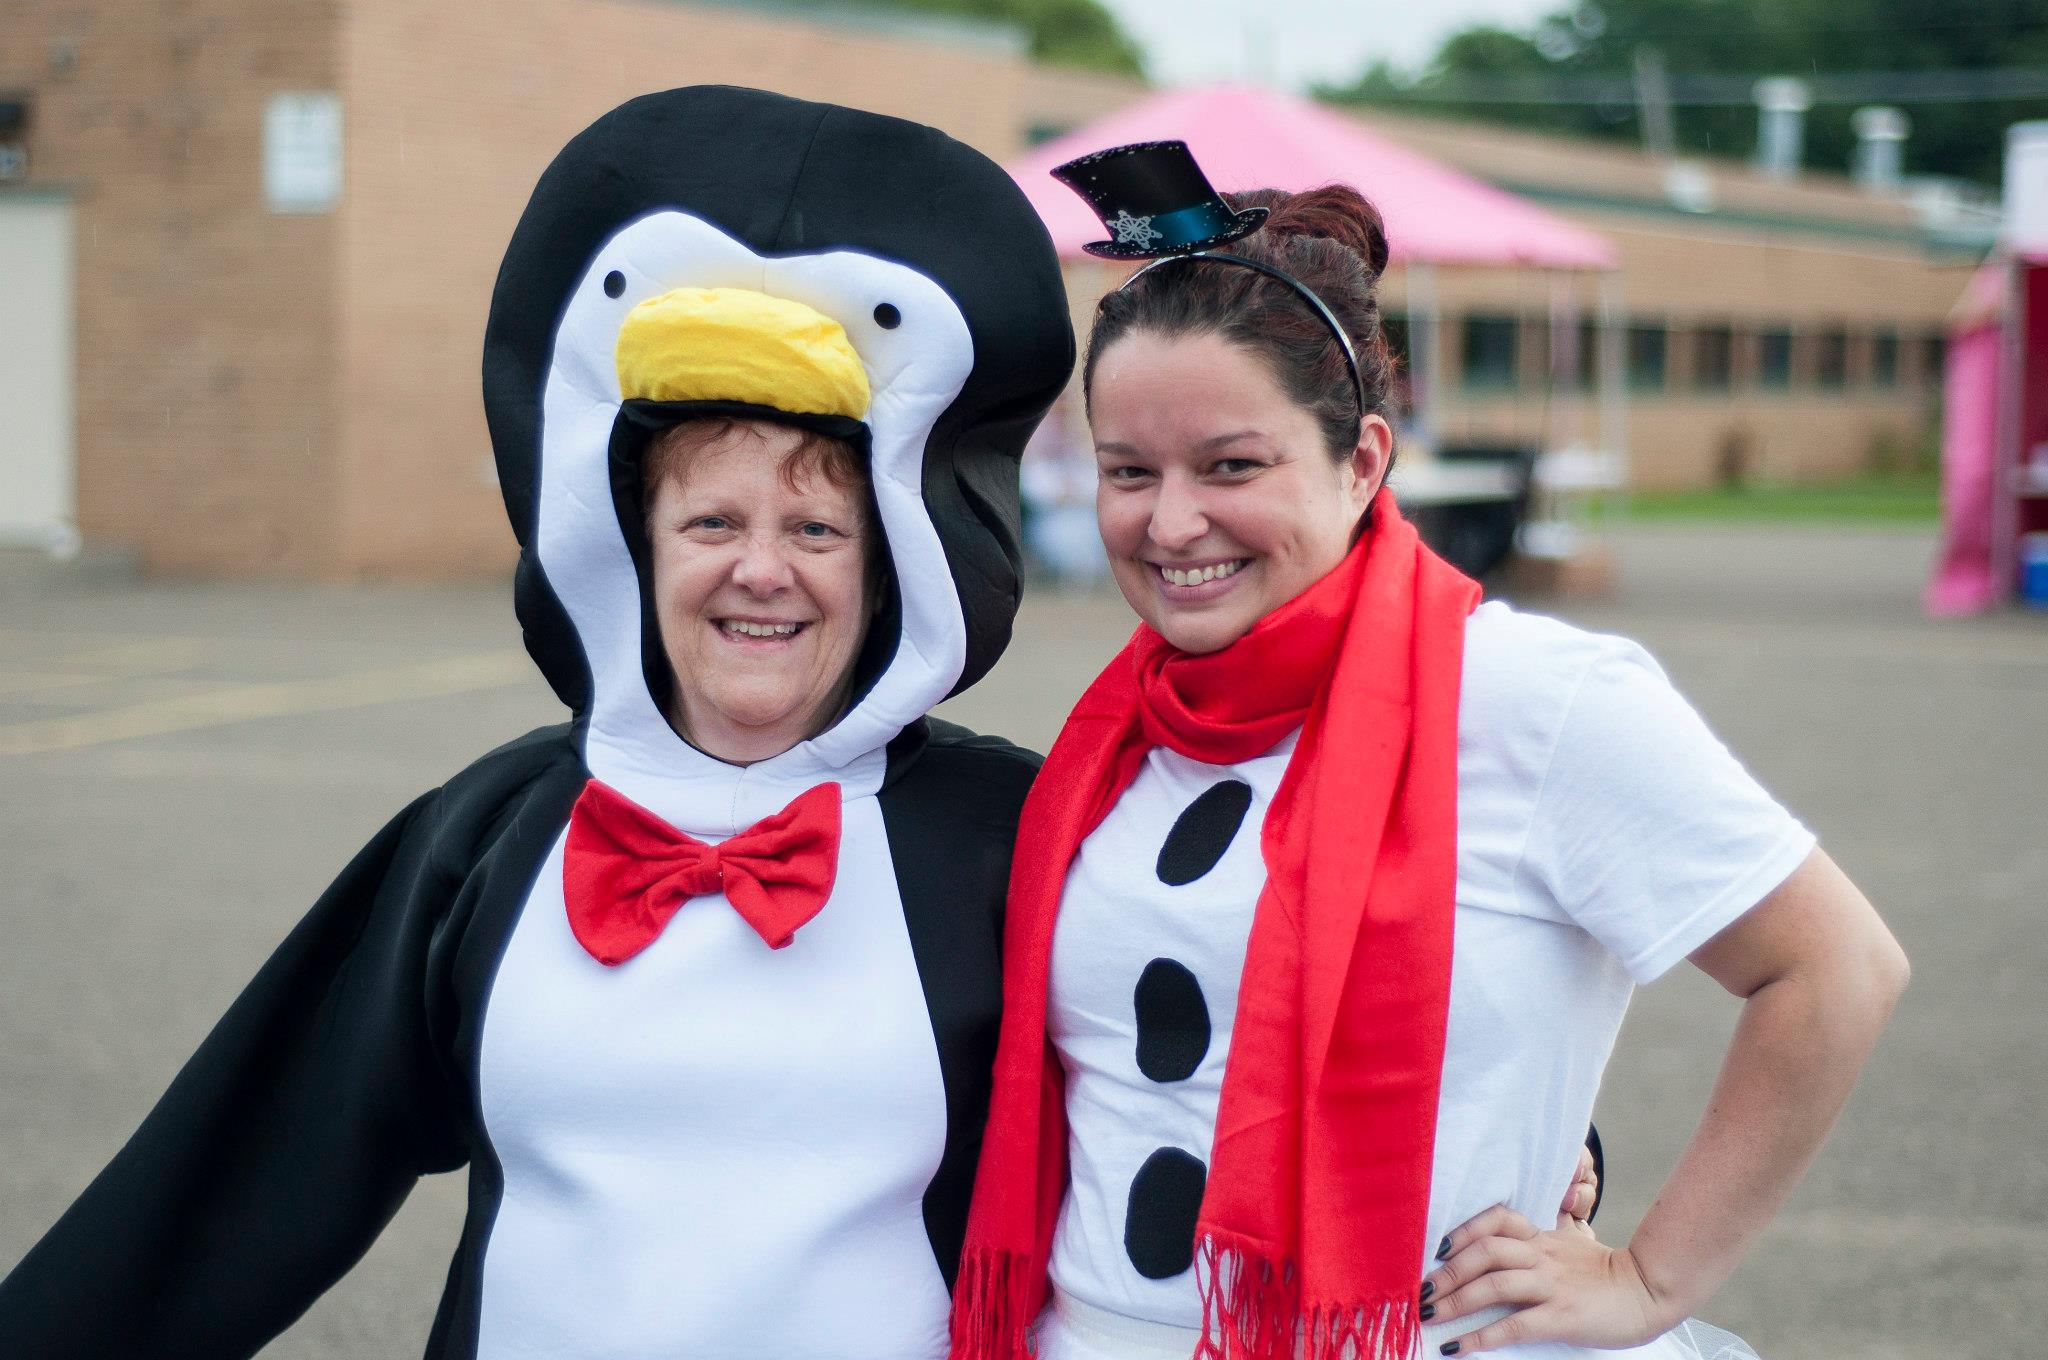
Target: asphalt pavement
<point x="183" y="767"/>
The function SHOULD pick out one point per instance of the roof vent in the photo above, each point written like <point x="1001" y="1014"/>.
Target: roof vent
<point x="1689" y="187"/>
<point x="1880" y="147"/>
<point x="1781" y="105"/>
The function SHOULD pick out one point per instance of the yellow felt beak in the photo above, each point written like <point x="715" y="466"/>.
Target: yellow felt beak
<point x="733" y="344"/>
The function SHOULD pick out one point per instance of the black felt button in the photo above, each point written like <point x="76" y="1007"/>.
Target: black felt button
<point x="1202" y="833"/>
<point x="1173" y="1021"/>
<point x="1159" y="1226"/>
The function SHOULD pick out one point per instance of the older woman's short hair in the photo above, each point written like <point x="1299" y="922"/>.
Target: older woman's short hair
<point x="815" y="454"/>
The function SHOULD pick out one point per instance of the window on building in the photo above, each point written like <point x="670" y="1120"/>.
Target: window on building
<point x="1536" y="350"/>
<point x="1713" y="357"/>
<point x="1884" y="359"/>
<point x="1933" y="358"/>
<point x="1487" y="356"/>
<point x="1647" y="342"/>
<point x="1589" y="354"/>
<point x="1566" y="367"/>
<point x="1831" y="358"/>
<point x="1401" y="385"/>
<point x="1394" y="325"/>
<point x="1774" y="358"/>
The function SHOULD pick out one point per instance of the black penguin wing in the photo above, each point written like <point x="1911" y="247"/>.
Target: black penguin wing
<point x="291" y="1137"/>
<point x="950" y="804"/>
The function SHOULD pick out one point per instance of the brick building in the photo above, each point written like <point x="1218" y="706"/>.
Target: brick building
<point x="1776" y="329"/>
<point x="264" y="234"/>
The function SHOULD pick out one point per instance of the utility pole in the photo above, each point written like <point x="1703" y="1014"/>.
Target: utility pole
<point x="1653" y="104"/>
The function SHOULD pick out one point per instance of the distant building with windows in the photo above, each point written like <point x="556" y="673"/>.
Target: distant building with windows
<point x="1775" y="330"/>
<point x="265" y="244"/>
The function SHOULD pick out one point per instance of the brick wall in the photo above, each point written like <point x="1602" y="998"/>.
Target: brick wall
<point x="454" y="110"/>
<point x="1683" y="276"/>
<point x="205" y="327"/>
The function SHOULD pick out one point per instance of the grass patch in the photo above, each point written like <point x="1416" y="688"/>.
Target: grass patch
<point x="1872" y="498"/>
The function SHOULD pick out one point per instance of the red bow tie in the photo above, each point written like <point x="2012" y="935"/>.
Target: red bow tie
<point x="627" y="871"/>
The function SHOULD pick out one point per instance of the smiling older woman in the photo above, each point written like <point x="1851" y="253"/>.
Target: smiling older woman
<point x="700" y="985"/>
<point x="768" y="566"/>
<point x="1380" y="865"/>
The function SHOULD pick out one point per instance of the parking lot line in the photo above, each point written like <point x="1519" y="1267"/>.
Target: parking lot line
<point x="241" y="703"/>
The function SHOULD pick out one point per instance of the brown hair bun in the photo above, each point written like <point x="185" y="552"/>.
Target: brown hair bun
<point x="1335" y="212"/>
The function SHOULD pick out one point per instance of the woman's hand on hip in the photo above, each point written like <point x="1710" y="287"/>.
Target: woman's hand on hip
<point x="1564" y="1285"/>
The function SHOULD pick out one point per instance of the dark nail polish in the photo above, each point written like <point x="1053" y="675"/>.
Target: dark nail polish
<point x="1449" y="1348"/>
<point x="1443" y="1248"/>
<point x="1428" y="1311"/>
<point x="1428" y="1289"/>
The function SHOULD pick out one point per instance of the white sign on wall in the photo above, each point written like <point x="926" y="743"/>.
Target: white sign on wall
<point x="302" y="152"/>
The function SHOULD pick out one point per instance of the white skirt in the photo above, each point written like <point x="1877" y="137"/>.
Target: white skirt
<point x="1069" y="1329"/>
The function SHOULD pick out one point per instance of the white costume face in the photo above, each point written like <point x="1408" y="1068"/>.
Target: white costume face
<point x="760" y="583"/>
<point x="1217" y="499"/>
<point x="913" y="345"/>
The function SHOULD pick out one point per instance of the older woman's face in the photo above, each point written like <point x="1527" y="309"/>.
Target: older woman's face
<point x="1218" y="499"/>
<point x="761" y="592"/>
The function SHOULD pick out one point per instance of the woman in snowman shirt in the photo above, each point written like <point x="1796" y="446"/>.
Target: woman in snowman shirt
<point x="1332" y="893"/>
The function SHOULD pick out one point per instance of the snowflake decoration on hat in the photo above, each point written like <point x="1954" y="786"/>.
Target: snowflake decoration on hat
<point x="1132" y="231"/>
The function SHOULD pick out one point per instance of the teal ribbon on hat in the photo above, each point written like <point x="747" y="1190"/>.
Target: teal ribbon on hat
<point x="1182" y="226"/>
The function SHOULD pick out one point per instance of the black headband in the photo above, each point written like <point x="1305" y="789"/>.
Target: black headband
<point x="1307" y="294"/>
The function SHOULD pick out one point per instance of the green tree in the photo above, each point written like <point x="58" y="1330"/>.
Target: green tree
<point x="1584" y="54"/>
<point x="1062" y="32"/>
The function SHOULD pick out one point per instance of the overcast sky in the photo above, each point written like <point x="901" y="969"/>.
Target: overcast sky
<point x="1292" y="43"/>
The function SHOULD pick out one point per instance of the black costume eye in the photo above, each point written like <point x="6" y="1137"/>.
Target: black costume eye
<point x="887" y="317"/>
<point x="614" y="284"/>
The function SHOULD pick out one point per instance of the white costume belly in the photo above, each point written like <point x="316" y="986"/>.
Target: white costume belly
<point x="716" y="1150"/>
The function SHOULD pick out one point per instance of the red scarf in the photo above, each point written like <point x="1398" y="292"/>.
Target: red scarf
<point x="1312" y="1227"/>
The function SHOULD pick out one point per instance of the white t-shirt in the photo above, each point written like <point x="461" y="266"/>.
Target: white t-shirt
<point x="1603" y="835"/>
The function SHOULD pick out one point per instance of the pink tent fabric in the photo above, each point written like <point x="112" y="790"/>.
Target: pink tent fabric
<point x="1964" y="580"/>
<point x="1248" y="139"/>
<point x="1969" y="575"/>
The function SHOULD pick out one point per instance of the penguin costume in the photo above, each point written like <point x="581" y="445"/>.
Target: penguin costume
<point x="716" y="1147"/>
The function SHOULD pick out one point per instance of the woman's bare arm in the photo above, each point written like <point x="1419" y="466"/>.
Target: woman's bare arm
<point x="1818" y="973"/>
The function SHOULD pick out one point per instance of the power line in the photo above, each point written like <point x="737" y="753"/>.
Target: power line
<point x="1697" y="91"/>
<point x="1783" y="25"/>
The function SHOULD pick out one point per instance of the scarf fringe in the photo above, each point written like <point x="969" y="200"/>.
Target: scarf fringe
<point x="1251" y="1310"/>
<point x="994" y="1304"/>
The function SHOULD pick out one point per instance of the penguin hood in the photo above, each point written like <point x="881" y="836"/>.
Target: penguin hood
<point x="724" y="251"/>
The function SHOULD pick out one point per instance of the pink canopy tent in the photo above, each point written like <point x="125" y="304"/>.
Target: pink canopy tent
<point x="1250" y="139"/>
<point x="1994" y="454"/>
<point x="1435" y="216"/>
<point x="1965" y="580"/>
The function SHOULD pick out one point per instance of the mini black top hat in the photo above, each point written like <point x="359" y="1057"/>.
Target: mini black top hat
<point x="1183" y="220"/>
<point x="1155" y="200"/>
